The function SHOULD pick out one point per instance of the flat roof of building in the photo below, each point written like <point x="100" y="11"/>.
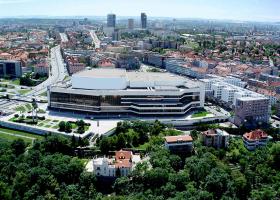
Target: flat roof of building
<point x="179" y="138"/>
<point x="160" y="78"/>
<point x="253" y="98"/>
<point x="101" y="73"/>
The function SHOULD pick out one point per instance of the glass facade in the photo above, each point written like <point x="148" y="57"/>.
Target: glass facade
<point x="140" y="104"/>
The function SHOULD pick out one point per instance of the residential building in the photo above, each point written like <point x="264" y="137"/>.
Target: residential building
<point x="144" y="20"/>
<point x="250" y="107"/>
<point x="42" y="68"/>
<point x="179" y="144"/>
<point x="121" y="165"/>
<point x="75" y="67"/>
<point x="255" y="139"/>
<point x="216" y="138"/>
<point x="111" y="20"/>
<point x="252" y="111"/>
<point x="121" y="92"/>
<point x="155" y="59"/>
<point x="184" y="68"/>
<point x="10" y="68"/>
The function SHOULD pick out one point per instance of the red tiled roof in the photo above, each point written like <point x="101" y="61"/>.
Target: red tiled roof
<point x="123" y="159"/>
<point x="121" y="155"/>
<point x="255" y="135"/>
<point x="180" y="138"/>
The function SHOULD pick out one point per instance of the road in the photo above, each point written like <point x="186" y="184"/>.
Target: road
<point x="57" y="74"/>
<point x="64" y="37"/>
<point x="95" y="39"/>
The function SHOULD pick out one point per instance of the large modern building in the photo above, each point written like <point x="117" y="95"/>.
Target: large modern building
<point x="111" y="20"/>
<point x="116" y="91"/>
<point x="10" y="68"/>
<point x="144" y="20"/>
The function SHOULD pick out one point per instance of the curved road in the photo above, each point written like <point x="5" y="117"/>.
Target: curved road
<point x="57" y="74"/>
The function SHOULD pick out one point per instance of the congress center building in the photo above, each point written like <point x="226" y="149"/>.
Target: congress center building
<point x="120" y="92"/>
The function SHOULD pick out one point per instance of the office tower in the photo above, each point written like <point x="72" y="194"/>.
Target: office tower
<point x="130" y="23"/>
<point x="10" y="68"/>
<point x="111" y="20"/>
<point x="144" y="20"/>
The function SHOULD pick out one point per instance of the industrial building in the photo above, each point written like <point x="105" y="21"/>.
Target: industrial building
<point x="117" y="91"/>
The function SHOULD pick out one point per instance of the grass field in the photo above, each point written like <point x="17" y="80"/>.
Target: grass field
<point x="24" y="91"/>
<point x="8" y="137"/>
<point x="21" y="133"/>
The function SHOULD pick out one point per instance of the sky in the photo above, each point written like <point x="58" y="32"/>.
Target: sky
<point x="251" y="10"/>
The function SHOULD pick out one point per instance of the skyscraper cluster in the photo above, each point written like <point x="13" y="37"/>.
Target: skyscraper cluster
<point x="111" y="21"/>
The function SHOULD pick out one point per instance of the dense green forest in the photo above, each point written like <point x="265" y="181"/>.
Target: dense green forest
<point x="50" y="170"/>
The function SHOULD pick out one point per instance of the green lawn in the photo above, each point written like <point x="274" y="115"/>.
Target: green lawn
<point x="24" y="108"/>
<point x="20" y="109"/>
<point x="23" y="91"/>
<point x="44" y="94"/>
<point x="12" y="137"/>
<point x="200" y="114"/>
<point x="29" y="107"/>
<point x="39" y="137"/>
<point x="16" y="82"/>
<point x="143" y="146"/>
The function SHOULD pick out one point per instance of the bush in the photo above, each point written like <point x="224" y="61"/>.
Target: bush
<point x="16" y="115"/>
<point x="42" y="118"/>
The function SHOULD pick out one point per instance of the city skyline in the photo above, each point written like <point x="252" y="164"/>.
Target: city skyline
<point x="250" y="10"/>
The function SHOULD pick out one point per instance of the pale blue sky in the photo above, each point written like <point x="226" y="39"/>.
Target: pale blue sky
<point x="256" y="10"/>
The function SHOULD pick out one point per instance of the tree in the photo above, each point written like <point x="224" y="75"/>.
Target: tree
<point x="121" y="186"/>
<point x="104" y="145"/>
<point x="68" y="127"/>
<point x="275" y="151"/>
<point x="5" y="192"/>
<point x="61" y="126"/>
<point x="18" y="147"/>
<point x="194" y="134"/>
<point x="121" y="142"/>
<point x="263" y="193"/>
<point x="217" y="182"/>
<point x="34" y="109"/>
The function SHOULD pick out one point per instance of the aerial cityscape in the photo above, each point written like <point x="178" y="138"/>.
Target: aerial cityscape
<point x="140" y="100"/>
